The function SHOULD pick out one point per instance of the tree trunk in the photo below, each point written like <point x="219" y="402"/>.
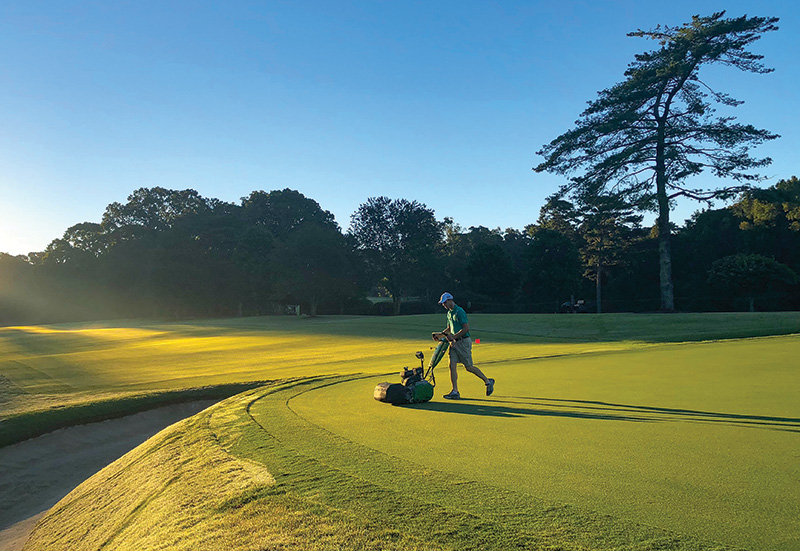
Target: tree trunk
<point x="752" y="304"/>
<point x="664" y="248"/>
<point x="665" y="267"/>
<point x="599" y="285"/>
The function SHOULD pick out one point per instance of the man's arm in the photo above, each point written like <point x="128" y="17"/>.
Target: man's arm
<point x="463" y="331"/>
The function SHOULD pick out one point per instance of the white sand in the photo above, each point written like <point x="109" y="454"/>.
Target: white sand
<point x="37" y="473"/>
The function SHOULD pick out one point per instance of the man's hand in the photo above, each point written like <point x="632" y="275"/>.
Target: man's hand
<point x="437" y="335"/>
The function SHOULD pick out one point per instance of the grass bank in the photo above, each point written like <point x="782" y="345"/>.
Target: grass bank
<point x="21" y="426"/>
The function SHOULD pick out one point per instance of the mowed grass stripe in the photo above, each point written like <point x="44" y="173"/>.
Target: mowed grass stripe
<point x="699" y="438"/>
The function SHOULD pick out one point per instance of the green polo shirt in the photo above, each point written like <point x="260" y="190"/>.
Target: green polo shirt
<point x="456" y="318"/>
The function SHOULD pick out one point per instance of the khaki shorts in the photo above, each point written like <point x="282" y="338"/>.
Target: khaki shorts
<point x="461" y="351"/>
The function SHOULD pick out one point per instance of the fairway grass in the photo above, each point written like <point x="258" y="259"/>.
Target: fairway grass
<point x="605" y="432"/>
<point x="46" y="367"/>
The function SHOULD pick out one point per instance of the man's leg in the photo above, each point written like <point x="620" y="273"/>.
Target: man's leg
<point x="488" y="382"/>
<point x="454" y="373"/>
<point x="453" y="394"/>
<point x="464" y="352"/>
<point x="478" y="373"/>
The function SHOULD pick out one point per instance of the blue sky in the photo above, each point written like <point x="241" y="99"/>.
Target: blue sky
<point x="442" y="102"/>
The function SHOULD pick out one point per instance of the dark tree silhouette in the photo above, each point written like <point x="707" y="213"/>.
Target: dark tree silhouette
<point x="750" y="275"/>
<point x="399" y="240"/>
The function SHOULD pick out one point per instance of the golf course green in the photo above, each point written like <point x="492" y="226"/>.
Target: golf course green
<point x="699" y="438"/>
<point x="604" y="432"/>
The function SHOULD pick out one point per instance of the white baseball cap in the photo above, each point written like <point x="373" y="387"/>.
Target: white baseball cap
<point x="445" y="298"/>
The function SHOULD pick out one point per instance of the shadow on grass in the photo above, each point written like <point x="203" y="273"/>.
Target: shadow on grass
<point x="493" y="408"/>
<point x="516" y="406"/>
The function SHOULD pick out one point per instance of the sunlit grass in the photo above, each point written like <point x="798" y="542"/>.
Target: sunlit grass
<point x="67" y="360"/>
<point x="42" y="368"/>
<point x="605" y="432"/>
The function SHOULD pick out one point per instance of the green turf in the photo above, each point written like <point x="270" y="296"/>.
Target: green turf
<point x="251" y="474"/>
<point x="700" y="438"/>
<point x="44" y="367"/>
<point x="623" y="415"/>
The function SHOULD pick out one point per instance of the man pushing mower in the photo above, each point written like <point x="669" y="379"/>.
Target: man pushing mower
<point x="457" y="334"/>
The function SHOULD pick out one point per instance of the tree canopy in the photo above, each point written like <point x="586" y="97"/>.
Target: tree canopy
<point x="399" y="239"/>
<point x="750" y="274"/>
<point x="284" y="211"/>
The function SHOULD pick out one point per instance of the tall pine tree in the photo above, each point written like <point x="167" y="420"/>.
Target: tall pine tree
<point x="646" y="136"/>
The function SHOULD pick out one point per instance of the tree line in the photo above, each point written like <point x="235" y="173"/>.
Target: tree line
<point x="173" y="254"/>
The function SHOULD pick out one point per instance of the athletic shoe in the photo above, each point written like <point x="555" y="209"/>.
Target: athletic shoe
<point x="453" y="395"/>
<point x="490" y="387"/>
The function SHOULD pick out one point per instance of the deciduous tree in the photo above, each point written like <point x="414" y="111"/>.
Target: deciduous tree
<point x="312" y="264"/>
<point x="490" y="271"/>
<point x="399" y="240"/>
<point x="284" y="211"/>
<point x="749" y="275"/>
<point x="154" y="208"/>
